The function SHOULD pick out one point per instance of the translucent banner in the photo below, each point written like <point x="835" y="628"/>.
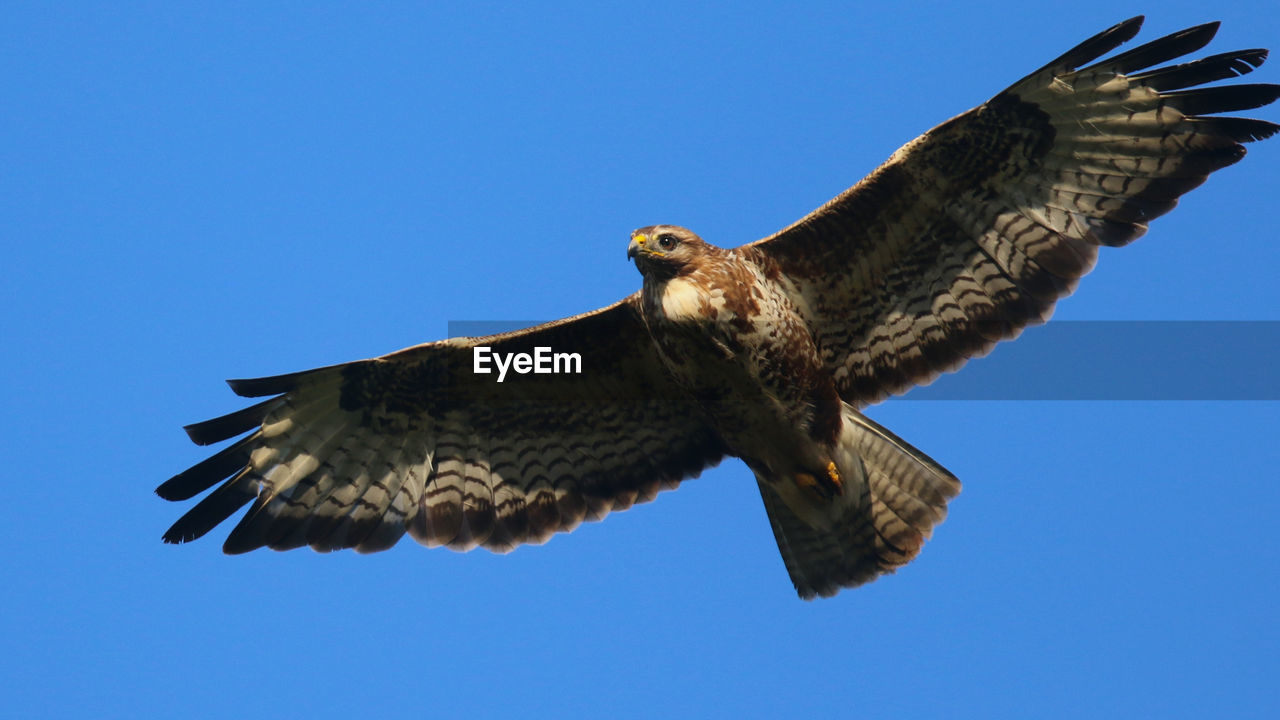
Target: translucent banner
<point x="1096" y="360"/>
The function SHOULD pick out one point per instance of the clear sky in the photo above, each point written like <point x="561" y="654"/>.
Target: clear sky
<point x="195" y="192"/>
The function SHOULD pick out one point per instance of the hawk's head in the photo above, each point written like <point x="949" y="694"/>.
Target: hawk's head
<point x="665" y="251"/>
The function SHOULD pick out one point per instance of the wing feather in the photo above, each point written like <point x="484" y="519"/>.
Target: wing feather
<point x="975" y="229"/>
<point x="355" y="455"/>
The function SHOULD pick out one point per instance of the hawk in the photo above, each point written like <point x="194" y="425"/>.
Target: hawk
<point x="767" y="351"/>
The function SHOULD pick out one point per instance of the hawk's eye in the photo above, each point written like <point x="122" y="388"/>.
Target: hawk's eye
<point x="666" y="242"/>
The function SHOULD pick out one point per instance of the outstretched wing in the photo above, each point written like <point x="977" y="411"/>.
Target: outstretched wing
<point x="354" y="455"/>
<point x="975" y="229"/>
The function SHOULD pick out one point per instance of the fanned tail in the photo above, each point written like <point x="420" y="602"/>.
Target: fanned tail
<point x="893" y="497"/>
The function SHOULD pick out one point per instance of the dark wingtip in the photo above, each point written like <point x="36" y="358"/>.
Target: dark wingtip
<point x="278" y="384"/>
<point x="1162" y="49"/>
<point x="1253" y="58"/>
<point x="1210" y="27"/>
<point x="1222" y="98"/>
<point x="263" y="386"/>
<point x="1124" y="31"/>
<point x="206" y="473"/>
<point x="1096" y="46"/>
<point x="1126" y="28"/>
<point x="239" y="544"/>
<point x="209" y="512"/>
<point x="1244" y="129"/>
<point x="231" y="424"/>
<point x="1222" y="66"/>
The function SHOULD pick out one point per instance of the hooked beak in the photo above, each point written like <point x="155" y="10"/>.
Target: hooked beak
<point x="635" y="247"/>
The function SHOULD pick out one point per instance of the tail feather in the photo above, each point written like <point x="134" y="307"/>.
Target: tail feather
<point x="820" y="562"/>
<point x="890" y="458"/>
<point x="893" y="499"/>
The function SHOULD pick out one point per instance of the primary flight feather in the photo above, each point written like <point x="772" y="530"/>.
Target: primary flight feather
<point x="766" y="352"/>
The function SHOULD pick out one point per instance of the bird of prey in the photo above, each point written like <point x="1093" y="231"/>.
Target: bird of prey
<point x="767" y="351"/>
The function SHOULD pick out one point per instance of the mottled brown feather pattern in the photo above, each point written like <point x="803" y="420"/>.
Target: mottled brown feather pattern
<point x="415" y="441"/>
<point x="962" y="238"/>
<point x="974" y="230"/>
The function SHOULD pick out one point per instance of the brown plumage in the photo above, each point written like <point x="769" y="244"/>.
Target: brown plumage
<point x="766" y="351"/>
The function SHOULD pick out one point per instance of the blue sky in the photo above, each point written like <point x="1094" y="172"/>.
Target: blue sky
<point x="195" y="192"/>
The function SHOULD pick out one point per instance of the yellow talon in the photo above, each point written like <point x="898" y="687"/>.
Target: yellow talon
<point x="823" y="489"/>
<point x="834" y="474"/>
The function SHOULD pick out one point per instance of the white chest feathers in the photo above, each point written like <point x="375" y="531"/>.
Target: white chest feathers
<point x="684" y="300"/>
